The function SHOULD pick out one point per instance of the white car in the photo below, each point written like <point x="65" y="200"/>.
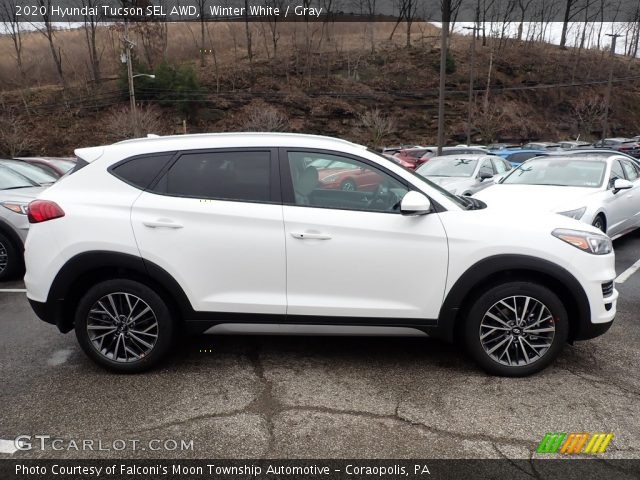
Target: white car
<point x="228" y="233"/>
<point x="604" y="192"/>
<point x="464" y="174"/>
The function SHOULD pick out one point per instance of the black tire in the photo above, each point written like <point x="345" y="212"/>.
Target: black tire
<point x="600" y="223"/>
<point x="159" y="312"/>
<point x="516" y="292"/>
<point x="10" y="259"/>
<point x="349" y="186"/>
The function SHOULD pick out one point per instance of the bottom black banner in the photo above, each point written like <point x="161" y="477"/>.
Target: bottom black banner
<point x="320" y="469"/>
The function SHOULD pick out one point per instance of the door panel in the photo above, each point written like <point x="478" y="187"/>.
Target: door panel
<point x="352" y="254"/>
<point x="228" y="256"/>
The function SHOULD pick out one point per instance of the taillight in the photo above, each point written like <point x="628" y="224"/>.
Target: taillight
<point x="43" y="210"/>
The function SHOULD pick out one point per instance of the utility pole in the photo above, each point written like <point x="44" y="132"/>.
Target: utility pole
<point x="128" y="45"/>
<point x="607" y="97"/>
<point x="472" y="62"/>
<point x="444" y="31"/>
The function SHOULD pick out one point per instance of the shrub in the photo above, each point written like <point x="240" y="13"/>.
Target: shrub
<point x="122" y="123"/>
<point x="378" y="125"/>
<point x="265" y="118"/>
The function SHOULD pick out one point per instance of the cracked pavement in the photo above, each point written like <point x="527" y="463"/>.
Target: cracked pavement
<point x="302" y="397"/>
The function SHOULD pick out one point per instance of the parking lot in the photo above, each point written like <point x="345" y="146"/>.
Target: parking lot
<point x="299" y="397"/>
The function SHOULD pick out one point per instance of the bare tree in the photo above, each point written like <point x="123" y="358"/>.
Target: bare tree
<point x="122" y="123"/>
<point x="247" y="29"/>
<point x="90" y="31"/>
<point x="377" y="124"/>
<point x="15" y="137"/>
<point x="589" y="112"/>
<point x="15" y="32"/>
<point x="47" y="29"/>
<point x="265" y="118"/>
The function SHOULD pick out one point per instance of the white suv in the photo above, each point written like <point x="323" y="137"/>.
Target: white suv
<point x="227" y="233"/>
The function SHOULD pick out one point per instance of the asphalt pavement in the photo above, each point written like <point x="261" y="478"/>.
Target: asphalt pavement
<point x="300" y="397"/>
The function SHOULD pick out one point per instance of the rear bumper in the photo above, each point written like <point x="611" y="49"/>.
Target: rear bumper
<point x="51" y="312"/>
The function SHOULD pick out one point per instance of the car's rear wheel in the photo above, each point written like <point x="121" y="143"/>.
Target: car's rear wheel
<point x="123" y="325"/>
<point x="516" y="329"/>
<point x="9" y="259"/>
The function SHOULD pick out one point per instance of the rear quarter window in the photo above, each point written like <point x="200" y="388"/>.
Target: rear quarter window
<point x="140" y="172"/>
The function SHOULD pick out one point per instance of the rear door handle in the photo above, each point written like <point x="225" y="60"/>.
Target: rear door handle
<point x="161" y="223"/>
<point x="310" y="236"/>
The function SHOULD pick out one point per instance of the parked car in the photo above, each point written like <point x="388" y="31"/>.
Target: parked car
<point x="516" y="156"/>
<point x="32" y="172"/>
<point x="235" y="233"/>
<point x="570" y="144"/>
<point x="56" y="166"/>
<point x="394" y="150"/>
<point x="550" y="146"/>
<point x="598" y="152"/>
<point x="464" y="174"/>
<point x="16" y="191"/>
<point x="604" y="192"/>
<point x="410" y="157"/>
<point x="336" y="174"/>
<point x="503" y="146"/>
<point x="623" y="145"/>
<point x="451" y="151"/>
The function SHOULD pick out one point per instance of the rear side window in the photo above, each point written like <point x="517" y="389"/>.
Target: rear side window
<point x="141" y="171"/>
<point x="242" y="176"/>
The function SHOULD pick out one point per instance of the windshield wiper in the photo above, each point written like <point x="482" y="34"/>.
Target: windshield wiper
<point x="23" y="186"/>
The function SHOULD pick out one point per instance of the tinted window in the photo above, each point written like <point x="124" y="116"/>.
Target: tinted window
<point x="521" y="157"/>
<point x="330" y="181"/>
<point x="141" y="171"/>
<point x="630" y="170"/>
<point x="220" y="175"/>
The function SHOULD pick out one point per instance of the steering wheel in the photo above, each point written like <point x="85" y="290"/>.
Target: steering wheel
<point x="384" y="196"/>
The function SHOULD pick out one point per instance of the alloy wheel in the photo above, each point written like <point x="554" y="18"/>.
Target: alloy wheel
<point x="517" y="331"/>
<point x="122" y="327"/>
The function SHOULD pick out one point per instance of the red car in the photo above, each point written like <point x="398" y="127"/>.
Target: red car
<point x="56" y="166"/>
<point x="334" y="174"/>
<point x="411" y="157"/>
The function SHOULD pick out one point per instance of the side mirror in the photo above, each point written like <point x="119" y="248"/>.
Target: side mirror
<point x="621" y="184"/>
<point x="415" y="203"/>
<point x="482" y="176"/>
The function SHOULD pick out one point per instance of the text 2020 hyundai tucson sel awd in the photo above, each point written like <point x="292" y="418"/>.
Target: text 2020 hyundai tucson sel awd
<point x="239" y="232"/>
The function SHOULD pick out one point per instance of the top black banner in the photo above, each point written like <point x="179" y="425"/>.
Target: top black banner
<point x="500" y="11"/>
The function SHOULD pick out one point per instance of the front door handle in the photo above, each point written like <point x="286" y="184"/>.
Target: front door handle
<point x="310" y="236"/>
<point x="161" y="223"/>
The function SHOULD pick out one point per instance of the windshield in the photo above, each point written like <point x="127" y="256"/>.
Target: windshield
<point x="31" y="172"/>
<point x="64" y="165"/>
<point x="569" y="173"/>
<point x="445" y="193"/>
<point x="10" y="179"/>
<point x="448" y="167"/>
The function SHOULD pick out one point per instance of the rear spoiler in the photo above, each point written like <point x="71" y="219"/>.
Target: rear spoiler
<point x="89" y="154"/>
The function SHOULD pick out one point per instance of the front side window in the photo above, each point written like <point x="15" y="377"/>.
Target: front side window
<point x="630" y="170"/>
<point x="331" y="181"/>
<point x="240" y="176"/>
<point x="500" y="165"/>
<point x="486" y="167"/>
<point x="616" y="171"/>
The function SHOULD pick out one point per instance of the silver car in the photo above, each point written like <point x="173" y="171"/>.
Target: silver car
<point x="16" y="191"/>
<point x="465" y="174"/>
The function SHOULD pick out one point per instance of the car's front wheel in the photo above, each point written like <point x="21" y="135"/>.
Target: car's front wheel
<point x="516" y="329"/>
<point x="123" y="325"/>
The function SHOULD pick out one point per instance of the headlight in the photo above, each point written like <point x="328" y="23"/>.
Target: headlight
<point x="16" y="207"/>
<point x="577" y="213"/>
<point x="588" y="242"/>
<point x="329" y="179"/>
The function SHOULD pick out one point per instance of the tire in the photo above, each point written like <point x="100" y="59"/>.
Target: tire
<point x="600" y="223"/>
<point x="110" y="302"/>
<point x="348" y="186"/>
<point x="542" y="303"/>
<point x="10" y="260"/>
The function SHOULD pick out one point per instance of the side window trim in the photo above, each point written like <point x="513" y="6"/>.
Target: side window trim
<point x="275" y="193"/>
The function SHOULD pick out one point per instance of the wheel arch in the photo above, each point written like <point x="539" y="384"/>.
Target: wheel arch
<point x="85" y="270"/>
<point x="503" y="268"/>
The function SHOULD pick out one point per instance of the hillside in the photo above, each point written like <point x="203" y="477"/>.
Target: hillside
<point x="323" y="85"/>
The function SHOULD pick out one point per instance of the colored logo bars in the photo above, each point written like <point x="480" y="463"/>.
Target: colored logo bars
<point x="573" y="443"/>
